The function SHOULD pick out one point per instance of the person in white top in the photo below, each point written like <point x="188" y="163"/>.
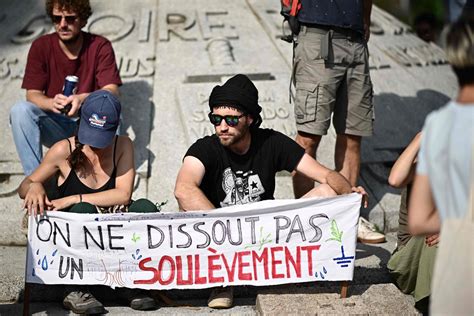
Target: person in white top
<point x="443" y="181"/>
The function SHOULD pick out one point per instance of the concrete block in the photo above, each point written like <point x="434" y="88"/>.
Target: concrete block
<point x="12" y="274"/>
<point x="372" y="299"/>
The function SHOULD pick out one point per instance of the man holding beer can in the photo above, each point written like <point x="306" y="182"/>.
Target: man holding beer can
<point x="56" y="61"/>
<point x="69" y="88"/>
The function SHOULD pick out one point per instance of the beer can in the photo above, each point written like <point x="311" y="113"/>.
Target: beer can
<point x="70" y="84"/>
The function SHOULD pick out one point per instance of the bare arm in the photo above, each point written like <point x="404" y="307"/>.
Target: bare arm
<point x="121" y="194"/>
<point x="422" y="215"/>
<point x="45" y="103"/>
<point x="59" y="101"/>
<point x="112" y="88"/>
<point x="187" y="192"/>
<point x="31" y="188"/>
<point x="403" y="171"/>
<point x="316" y="171"/>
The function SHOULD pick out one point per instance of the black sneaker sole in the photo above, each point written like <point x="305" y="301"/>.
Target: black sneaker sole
<point x="143" y="306"/>
<point x="89" y="311"/>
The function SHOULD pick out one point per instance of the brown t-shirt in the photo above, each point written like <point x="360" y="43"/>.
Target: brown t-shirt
<point x="47" y="65"/>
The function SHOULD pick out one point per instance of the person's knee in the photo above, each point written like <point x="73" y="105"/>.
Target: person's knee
<point x="322" y="190"/>
<point x="20" y="111"/>
<point x="142" y="206"/>
<point x="83" y="208"/>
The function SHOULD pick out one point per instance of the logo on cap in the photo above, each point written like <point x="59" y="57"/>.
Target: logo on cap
<point x="96" y="121"/>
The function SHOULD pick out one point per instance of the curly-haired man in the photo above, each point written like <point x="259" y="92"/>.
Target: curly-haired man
<point x="47" y="115"/>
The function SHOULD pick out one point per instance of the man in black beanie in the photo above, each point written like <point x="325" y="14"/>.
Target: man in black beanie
<point x="237" y="165"/>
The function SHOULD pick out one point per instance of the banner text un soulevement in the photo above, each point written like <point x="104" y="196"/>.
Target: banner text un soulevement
<point x="265" y="243"/>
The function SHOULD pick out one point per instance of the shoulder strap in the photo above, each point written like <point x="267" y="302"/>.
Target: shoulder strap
<point x="70" y="146"/>
<point x="115" y="148"/>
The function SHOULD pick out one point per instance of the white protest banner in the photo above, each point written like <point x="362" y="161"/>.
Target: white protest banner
<point x="264" y="243"/>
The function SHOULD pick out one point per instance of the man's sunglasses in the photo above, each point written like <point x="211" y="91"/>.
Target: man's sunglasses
<point x="231" y="120"/>
<point x="70" y="19"/>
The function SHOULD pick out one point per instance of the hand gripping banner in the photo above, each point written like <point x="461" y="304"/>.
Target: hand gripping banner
<point x="264" y="243"/>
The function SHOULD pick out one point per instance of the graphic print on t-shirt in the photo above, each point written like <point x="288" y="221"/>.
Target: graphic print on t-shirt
<point x="241" y="187"/>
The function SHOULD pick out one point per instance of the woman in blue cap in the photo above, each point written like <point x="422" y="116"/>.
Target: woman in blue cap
<point x="95" y="172"/>
<point x="95" y="168"/>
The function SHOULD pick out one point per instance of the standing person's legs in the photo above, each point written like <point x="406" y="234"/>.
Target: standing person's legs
<point x="32" y="127"/>
<point x="317" y="82"/>
<point x="353" y="119"/>
<point x="353" y="113"/>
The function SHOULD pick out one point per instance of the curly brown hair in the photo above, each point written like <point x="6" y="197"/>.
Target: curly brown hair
<point x="81" y="7"/>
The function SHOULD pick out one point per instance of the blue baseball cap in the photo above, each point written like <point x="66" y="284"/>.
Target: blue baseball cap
<point x="100" y="117"/>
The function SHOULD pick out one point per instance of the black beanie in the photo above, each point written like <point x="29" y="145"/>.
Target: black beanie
<point x="238" y="92"/>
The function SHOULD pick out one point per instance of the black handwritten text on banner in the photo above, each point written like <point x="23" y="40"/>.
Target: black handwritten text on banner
<point x="269" y="242"/>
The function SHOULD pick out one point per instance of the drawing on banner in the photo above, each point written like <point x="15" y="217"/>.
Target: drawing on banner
<point x="44" y="262"/>
<point x="322" y="273"/>
<point x="135" y="238"/>
<point x="241" y="187"/>
<point x="136" y="256"/>
<point x="106" y="277"/>
<point x="344" y="260"/>
<point x="262" y="240"/>
<point x="335" y="232"/>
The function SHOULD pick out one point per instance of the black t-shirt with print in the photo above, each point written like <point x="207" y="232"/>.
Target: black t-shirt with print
<point x="239" y="179"/>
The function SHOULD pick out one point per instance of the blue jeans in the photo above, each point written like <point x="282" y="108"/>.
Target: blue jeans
<point x="32" y="128"/>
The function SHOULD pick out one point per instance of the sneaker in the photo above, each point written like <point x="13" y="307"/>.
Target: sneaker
<point x="142" y="302"/>
<point x="138" y="300"/>
<point x="83" y="303"/>
<point x="367" y="232"/>
<point x="221" y="297"/>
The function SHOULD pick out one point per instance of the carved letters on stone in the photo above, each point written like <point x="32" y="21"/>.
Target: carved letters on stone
<point x="144" y="25"/>
<point x="381" y="20"/>
<point x="419" y="55"/>
<point x="398" y="54"/>
<point x="220" y="51"/>
<point x="274" y="116"/>
<point x="10" y="67"/>
<point x="136" y="67"/>
<point x="378" y="59"/>
<point x="110" y="25"/>
<point x="34" y="28"/>
<point x="179" y="24"/>
<point x="183" y="25"/>
<point x="212" y="25"/>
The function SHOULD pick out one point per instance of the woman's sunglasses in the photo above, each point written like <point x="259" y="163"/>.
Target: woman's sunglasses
<point x="70" y="19"/>
<point x="231" y="120"/>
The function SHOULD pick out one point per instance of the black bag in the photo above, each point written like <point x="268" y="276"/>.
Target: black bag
<point x="289" y="10"/>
